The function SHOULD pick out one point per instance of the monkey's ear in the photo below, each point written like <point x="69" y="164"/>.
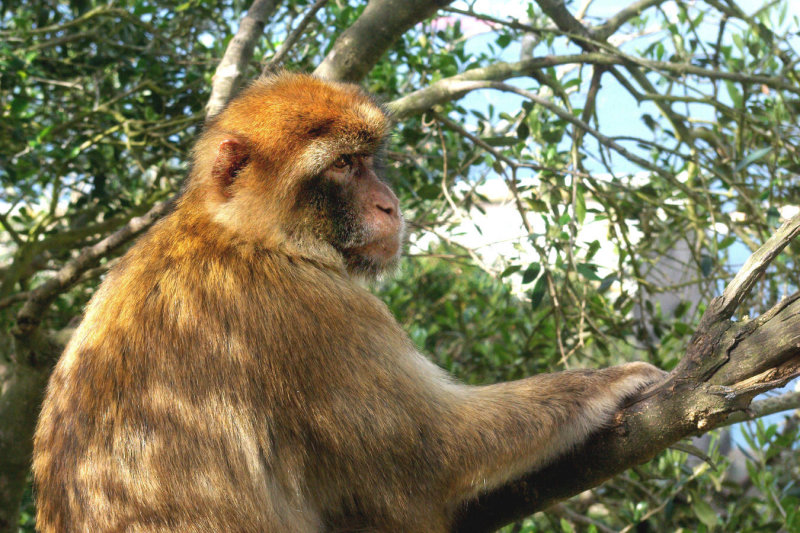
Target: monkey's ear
<point x="232" y="157"/>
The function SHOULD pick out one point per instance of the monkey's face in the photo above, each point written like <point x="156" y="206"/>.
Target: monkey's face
<point x="351" y="208"/>
<point x="291" y="163"/>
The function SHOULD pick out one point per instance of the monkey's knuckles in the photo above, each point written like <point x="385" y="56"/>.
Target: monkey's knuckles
<point x="639" y="375"/>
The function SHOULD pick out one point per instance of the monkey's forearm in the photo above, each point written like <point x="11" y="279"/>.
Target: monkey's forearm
<point x="518" y="426"/>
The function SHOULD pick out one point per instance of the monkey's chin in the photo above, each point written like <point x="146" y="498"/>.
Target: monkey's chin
<point x="373" y="259"/>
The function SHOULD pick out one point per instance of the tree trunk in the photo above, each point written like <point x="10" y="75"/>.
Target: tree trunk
<point x="21" y="390"/>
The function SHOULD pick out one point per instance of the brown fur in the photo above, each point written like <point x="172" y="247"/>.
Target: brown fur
<point x="230" y="375"/>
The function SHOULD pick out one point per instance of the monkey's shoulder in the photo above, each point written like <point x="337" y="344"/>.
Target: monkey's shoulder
<point x="159" y="287"/>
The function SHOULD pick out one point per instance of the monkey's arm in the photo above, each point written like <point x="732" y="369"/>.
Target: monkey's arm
<point x="507" y="429"/>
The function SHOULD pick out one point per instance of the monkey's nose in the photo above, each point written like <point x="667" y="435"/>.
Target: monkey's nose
<point x="384" y="200"/>
<point x="386" y="208"/>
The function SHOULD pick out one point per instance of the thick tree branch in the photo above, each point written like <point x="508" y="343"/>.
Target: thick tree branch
<point x="361" y="45"/>
<point x="21" y="389"/>
<point x="726" y="364"/>
<point x="231" y="68"/>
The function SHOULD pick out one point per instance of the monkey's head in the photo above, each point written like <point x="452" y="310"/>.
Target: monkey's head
<point x="294" y="162"/>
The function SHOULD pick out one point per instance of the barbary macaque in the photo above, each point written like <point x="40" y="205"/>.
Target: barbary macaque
<point x="232" y="373"/>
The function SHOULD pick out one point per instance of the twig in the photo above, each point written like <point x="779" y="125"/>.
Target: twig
<point x="564" y="115"/>
<point x="761" y="408"/>
<point x="277" y="59"/>
<point x="562" y="510"/>
<point x="14" y="298"/>
<point x="30" y="314"/>
<point x="10" y="230"/>
<point x="622" y="16"/>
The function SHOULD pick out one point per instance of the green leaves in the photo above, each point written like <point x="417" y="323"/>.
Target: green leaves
<point x="752" y="157"/>
<point x="580" y="206"/>
<point x="531" y="273"/>
<point x="588" y="271"/>
<point x="735" y="94"/>
<point x="536" y="294"/>
<point x="705" y="513"/>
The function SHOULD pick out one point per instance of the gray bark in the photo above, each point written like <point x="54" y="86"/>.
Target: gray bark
<point x="361" y="45"/>
<point x="230" y="71"/>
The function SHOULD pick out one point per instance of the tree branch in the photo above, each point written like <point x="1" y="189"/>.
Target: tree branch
<point x="361" y="45"/>
<point x="454" y="87"/>
<point x="231" y="68"/>
<point x="556" y="10"/>
<point x="30" y="315"/>
<point x="614" y="23"/>
<point x="768" y="406"/>
<point x="755" y="267"/>
<point x="277" y="59"/>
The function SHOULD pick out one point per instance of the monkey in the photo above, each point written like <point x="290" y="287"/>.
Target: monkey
<point x="233" y="372"/>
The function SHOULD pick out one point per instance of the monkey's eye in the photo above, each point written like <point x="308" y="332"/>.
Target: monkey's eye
<point x="342" y="162"/>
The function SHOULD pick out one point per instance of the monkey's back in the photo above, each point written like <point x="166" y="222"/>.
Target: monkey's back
<point x="161" y="416"/>
<point x="136" y="434"/>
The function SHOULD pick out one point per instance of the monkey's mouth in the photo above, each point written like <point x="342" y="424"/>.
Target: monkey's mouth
<point x="376" y="253"/>
<point x="382" y="250"/>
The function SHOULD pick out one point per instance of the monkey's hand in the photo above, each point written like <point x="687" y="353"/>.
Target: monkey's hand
<point x="632" y="381"/>
<point x="603" y="393"/>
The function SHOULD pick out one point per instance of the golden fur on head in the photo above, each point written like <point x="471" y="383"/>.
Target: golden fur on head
<point x="301" y="115"/>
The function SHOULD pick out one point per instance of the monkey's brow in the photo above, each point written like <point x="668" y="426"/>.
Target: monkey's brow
<point x="318" y="128"/>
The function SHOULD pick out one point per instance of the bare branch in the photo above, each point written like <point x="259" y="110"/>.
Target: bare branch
<point x="6" y="225"/>
<point x="766" y="407"/>
<point x="14" y="298"/>
<point x="564" y="115"/>
<point x="230" y="71"/>
<point x="613" y="24"/>
<point x="556" y="10"/>
<point x="361" y="45"/>
<point x="455" y="87"/>
<point x="755" y="266"/>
